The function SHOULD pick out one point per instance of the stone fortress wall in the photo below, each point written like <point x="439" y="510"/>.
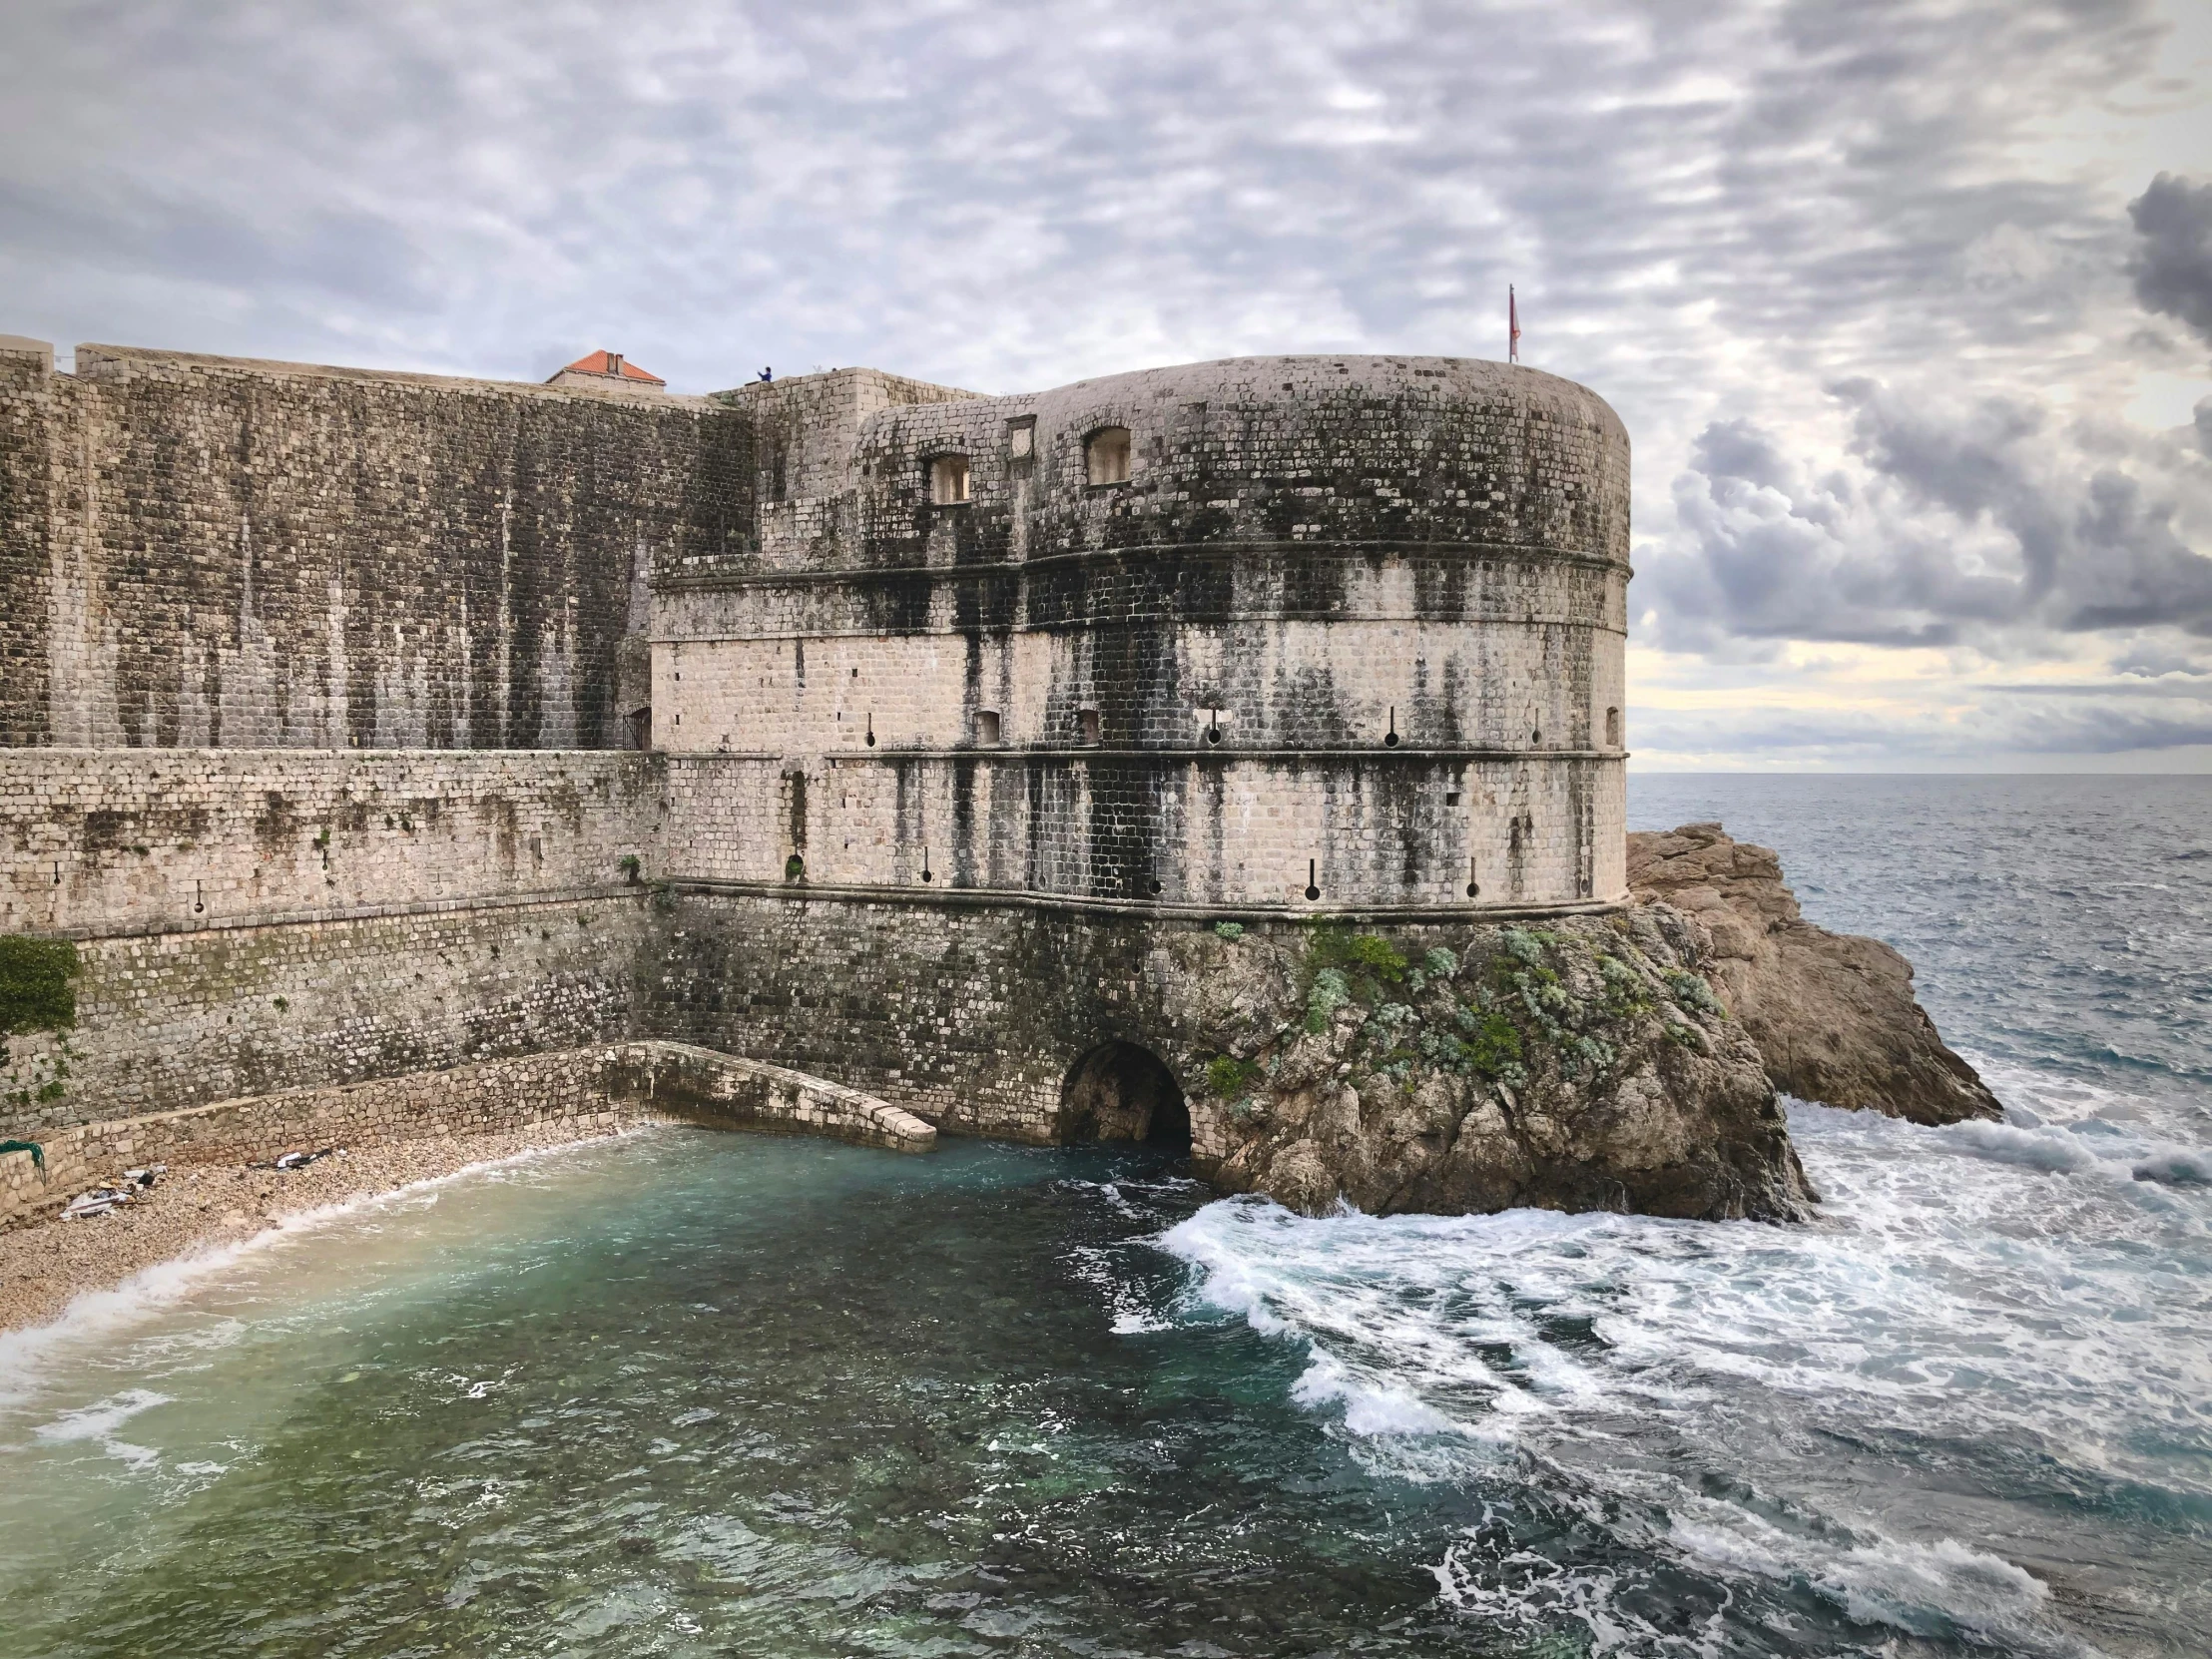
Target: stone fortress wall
<point x="207" y="552"/>
<point x="1352" y="625"/>
<point x="324" y="692"/>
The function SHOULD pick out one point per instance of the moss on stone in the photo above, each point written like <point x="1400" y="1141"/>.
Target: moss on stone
<point x="37" y="990"/>
<point x="1225" y="1075"/>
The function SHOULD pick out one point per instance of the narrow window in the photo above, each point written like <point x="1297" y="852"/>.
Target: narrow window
<point x="1086" y="725"/>
<point x="948" y="480"/>
<point x="1613" y="728"/>
<point x="986" y="728"/>
<point x="1106" y="453"/>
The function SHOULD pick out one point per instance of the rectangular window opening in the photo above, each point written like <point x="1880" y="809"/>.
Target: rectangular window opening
<point x="986" y="728"/>
<point x="948" y="480"/>
<point x="1086" y="725"/>
<point x="1106" y="455"/>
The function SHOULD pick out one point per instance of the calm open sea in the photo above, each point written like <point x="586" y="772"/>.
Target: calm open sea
<point x="696" y="1393"/>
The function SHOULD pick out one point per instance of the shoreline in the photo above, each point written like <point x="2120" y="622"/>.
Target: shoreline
<point x="45" y="1266"/>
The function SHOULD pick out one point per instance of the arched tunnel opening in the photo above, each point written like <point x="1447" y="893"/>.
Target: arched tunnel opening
<point x="1120" y="1092"/>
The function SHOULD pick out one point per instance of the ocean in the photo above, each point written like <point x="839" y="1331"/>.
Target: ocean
<point x="699" y="1393"/>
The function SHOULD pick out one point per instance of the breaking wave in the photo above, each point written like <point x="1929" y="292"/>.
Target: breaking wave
<point x="1675" y="1434"/>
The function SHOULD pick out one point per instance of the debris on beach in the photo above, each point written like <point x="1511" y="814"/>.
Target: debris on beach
<point x="300" y="1160"/>
<point x="127" y="1186"/>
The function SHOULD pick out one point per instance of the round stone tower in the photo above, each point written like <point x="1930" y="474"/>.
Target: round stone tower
<point x="1273" y="635"/>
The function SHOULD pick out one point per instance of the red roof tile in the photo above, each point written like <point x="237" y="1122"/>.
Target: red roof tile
<point x="596" y="362"/>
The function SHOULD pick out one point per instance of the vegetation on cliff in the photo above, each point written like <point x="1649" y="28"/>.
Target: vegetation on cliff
<point x="1585" y="1064"/>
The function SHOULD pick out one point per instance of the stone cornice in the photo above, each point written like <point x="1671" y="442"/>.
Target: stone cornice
<point x="1460" y="554"/>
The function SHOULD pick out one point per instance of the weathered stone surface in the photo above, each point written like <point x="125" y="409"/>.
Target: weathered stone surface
<point x="1348" y="635"/>
<point x="1423" y="1089"/>
<point x="1833" y="1013"/>
<point x="1046" y="806"/>
<point x="1582" y="1065"/>
<point x="209" y="551"/>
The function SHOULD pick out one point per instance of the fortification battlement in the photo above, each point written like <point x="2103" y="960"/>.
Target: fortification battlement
<point x="1278" y="632"/>
<point x="324" y="692"/>
<point x="114" y="364"/>
<point x="1275" y="634"/>
<point x="1440" y="453"/>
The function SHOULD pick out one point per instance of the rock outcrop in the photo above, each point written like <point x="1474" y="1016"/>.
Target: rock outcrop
<point x="1582" y="1064"/>
<point x="1833" y="1014"/>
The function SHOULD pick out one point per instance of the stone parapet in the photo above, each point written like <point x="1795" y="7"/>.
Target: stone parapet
<point x="166" y="1020"/>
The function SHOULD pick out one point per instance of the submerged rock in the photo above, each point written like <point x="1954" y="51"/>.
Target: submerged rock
<point x="1583" y="1064"/>
<point x="1834" y="1014"/>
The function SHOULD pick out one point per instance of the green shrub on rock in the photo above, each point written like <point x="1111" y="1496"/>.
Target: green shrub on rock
<point x="1692" y="992"/>
<point x="1227" y="1075"/>
<point x="1378" y="957"/>
<point x="1331" y="991"/>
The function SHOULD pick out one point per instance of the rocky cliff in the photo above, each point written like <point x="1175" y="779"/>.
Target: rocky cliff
<point x="1833" y="1014"/>
<point x="1583" y="1064"/>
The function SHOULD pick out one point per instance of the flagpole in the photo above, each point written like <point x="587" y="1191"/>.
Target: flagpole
<point x="1512" y="325"/>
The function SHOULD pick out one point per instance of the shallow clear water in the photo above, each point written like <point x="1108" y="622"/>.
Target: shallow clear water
<point x="719" y="1393"/>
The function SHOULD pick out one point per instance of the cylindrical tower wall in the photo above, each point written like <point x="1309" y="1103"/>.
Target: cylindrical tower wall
<point x="1348" y="627"/>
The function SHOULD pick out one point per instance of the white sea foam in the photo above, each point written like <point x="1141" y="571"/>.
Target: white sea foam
<point x="99" y="1422"/>
<point x="1132" y="1306"/>
<point x="2005" y="1283"/>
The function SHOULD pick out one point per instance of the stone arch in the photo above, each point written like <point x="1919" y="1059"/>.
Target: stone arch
<point x="1121" y="1092"/>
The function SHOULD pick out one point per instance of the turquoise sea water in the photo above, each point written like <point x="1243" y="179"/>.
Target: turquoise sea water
<point x="718" y="1393"/>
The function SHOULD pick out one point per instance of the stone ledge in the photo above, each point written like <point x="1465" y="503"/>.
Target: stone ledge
<point x="169" y="927"/>
<point x="984" y="898"/>
<point x="723" y="1087"/>
<point x="1181" y="553"/>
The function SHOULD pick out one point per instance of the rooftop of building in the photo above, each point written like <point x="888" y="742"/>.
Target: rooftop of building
<point x="612" y="365"/>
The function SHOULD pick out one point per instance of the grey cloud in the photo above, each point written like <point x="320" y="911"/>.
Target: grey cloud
<point x="2154" y="658"/>
<point x="2172" y="267"/>
<point x="2187" y="691"/>
<point x="1961" y="522"/>
<point x="1015" y="195"/>
<point x="342" y="256"/>
<point x="1707" y="207"/>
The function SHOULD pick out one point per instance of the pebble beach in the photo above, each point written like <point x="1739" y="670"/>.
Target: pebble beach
<point x="45" y="1265"/>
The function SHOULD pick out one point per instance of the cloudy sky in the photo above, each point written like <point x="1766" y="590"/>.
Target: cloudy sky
<point x="1908" y="305"/>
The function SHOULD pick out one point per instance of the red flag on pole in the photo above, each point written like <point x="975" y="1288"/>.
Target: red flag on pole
<point x="1512" y="325"/>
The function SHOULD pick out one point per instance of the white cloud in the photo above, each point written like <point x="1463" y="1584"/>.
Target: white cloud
<point x="1714" y="214"/>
